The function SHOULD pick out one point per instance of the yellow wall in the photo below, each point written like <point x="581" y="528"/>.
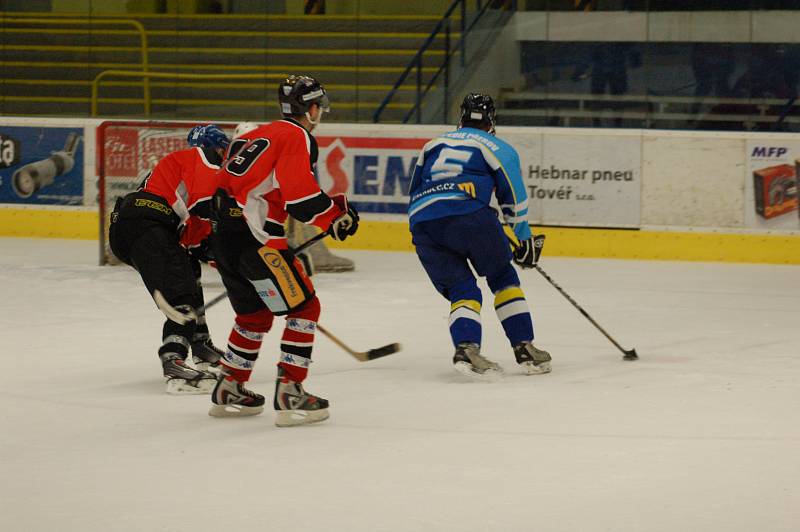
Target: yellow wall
<point x="54" y="223"/>
<point x="561" y="242"/>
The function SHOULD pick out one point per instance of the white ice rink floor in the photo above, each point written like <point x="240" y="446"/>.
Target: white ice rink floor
<point x="701" y="434"/>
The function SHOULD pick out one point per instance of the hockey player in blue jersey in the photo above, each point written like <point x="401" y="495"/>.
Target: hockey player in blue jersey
<point x="453" y="227"/>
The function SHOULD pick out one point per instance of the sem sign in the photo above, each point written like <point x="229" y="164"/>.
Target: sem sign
<point x="375" y="173"/>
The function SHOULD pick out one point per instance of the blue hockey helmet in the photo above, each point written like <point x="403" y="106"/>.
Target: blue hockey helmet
<point x="477" y="110"/>
<point x="209" y="136"/>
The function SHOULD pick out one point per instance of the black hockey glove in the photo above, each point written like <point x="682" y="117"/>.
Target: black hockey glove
<point x="203" y="252"/>
<point x="526" y="254"/>
<point x="346" y="224"/>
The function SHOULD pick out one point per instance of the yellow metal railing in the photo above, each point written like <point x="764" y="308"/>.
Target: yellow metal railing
<point x="100" y="21"/>
<point x="171" y="75"/>
<point x="95" y="99"/>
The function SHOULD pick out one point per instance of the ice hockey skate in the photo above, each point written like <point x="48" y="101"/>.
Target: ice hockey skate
<point x="205" y="356"/>
<point x="531" y="359"/>
<point x="468" y="361"/>
<point x="232" y="399"/>
<point x="183" y="380"/>
<point x="294" y="406"/>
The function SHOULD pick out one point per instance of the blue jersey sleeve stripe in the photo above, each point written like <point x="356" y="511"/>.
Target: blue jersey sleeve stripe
<point x="516" y="219"/>
<point x="515" y="206"/>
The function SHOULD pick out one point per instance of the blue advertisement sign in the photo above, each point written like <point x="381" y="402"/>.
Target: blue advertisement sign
<point x="41" y="165"/>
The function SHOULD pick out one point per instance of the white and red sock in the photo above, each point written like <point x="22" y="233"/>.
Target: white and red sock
<point x="244" y="344"/>
<point x="297" y="341"/>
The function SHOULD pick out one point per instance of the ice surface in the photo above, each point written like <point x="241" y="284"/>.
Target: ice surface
<point x="703" y="433"/>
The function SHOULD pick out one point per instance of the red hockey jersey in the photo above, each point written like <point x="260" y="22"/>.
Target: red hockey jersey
<point x="271" y="176"/>
<point x="185" y="179"/>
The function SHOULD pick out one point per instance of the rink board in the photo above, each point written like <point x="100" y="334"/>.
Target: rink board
<point x="687" y="195"/>
<point x="561" y="242"/>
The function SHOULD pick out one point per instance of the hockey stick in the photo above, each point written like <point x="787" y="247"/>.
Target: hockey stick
<point x="629" y="354"/>
<point x="314" y="239"/>
<point x="177" y="316"/>
<point x="362" y="356"/>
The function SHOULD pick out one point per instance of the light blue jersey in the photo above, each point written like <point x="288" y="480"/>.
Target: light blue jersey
<point x="458" y="172"/>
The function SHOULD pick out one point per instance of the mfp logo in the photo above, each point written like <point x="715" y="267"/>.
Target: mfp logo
<point x="374" y="172"/>
<point x="769" y="152"/>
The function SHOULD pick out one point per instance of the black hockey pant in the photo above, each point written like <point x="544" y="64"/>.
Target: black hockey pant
<point x="152" y="248"/>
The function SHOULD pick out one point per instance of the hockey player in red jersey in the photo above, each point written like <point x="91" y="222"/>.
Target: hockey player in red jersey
<point x="266" y="179"/>
<point x="318" y="257"/>
<point x="152" y="229"/>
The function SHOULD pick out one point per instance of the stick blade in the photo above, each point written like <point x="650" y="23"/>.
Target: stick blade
<point x="380" y="352"/>
<point x="630" y="355"/>
<point x="169" y="311"/>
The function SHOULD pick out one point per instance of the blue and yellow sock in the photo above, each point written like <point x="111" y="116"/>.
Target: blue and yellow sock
<point x="465" y="321"/>
<point x="514" y="315"/>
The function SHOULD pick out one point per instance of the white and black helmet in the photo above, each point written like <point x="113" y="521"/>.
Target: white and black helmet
<point x="296" y="94"/>
<point x="477" y="110"/>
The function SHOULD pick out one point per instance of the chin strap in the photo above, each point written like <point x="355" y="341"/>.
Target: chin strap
<point x="316" y="122"/>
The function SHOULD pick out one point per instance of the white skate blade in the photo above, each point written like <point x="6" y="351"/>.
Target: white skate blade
<point x="234" y="410"/>
<point x="529" y="368"/>
<point x="183" y="387"/>
<point x="292" y="418"/>
<point x="490" y="375"/>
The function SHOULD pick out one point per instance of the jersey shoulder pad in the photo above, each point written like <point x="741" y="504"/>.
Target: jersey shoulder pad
<point x="294" y="137"/>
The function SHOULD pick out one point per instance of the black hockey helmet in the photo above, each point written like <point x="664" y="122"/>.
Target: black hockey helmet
<point x="296" y="94"/>
<point x="477" y="110"/>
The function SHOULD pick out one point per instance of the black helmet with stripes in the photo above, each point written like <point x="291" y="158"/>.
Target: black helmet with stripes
<point x="296" y="94"/>
<point x="477" y="110"/>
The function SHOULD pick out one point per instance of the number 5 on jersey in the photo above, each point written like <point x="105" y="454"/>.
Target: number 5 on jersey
<point x="449" y="163"/>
